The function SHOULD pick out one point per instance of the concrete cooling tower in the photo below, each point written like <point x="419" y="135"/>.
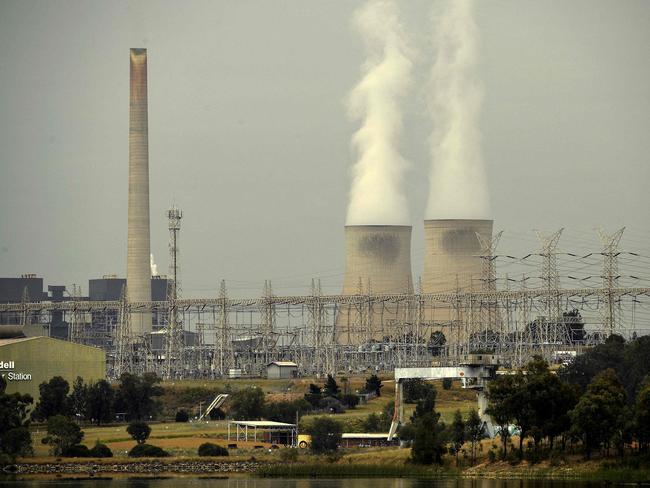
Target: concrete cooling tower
<point x="378" y="261"/>
<point x="378" y="258"/>
<point x="138" y="271"/>
<point x="452" y="251"/>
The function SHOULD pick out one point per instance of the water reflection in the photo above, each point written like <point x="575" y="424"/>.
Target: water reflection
<point x="298" y="483"/>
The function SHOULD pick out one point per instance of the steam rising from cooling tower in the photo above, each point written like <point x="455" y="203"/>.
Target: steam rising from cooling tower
<point x="458" y="188"/>
<point x="138" y="270"/>
<point x="377" y="196"/>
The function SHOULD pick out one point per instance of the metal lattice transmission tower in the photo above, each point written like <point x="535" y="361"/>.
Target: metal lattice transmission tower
<point x="489" y="309"/>
<point x="174" y="332"/>
<point x="268" y="324"/>
<point x="551" y="278"/>
<point x="610" y="252"/>
<point x="224" y="356"/>
<point x="123" y="340"/>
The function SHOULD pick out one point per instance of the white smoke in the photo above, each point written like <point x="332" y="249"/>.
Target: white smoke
<point x="458" y="187"/>
<point x="377" y="195"/>
<point x="153" y="265"/>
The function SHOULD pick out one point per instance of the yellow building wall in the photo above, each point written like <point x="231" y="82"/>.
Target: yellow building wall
<point x="44" y="357"/>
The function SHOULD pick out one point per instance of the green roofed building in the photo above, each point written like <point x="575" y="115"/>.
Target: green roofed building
<point x="26" y="362"/>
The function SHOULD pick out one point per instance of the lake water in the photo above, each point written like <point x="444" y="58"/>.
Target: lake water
<point x="300" y="483"/>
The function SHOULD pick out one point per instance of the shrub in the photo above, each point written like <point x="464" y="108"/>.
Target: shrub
<point x="139" y="431"/>
<point x="100" y="450"/>
<point x="78" y="450"/>
<point x="182" y="416"/>
<point x="447" y="383"/>
<point x="62" y="433"/>
<point x="331" y="405"/>
<point x="209" y="449"/>
<point x="289" y="455"/>
<point x="147" y="450"/>
<point x="350" y="400"/>
<point x="217" y="414"/>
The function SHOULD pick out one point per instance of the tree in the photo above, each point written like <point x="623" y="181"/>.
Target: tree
<point x="314" y="394"/>
<point x="325" y="435"/>
<point x="598" y="414"/>
<point x="79" y="398"/>
<point x="414" y="389"/>
<point x="62" y="434"/>
<point x="428" y="442"/>
<point x="447" y="383"/>
<point x="475" y="431"/>
<point x="53" y="399"/>
<point x="286" y="411"/>
<point x="426" y="404"/>
<point x="248" y="404"/>
<point x="331" y="388"/>
<point x="642" y="416"/>
<point x="15" y="439"/>
<point x="140" y="431"/>
<point x="501" y="392"/>
<point x="100" y="402"/>
<point x="136" y="395"/>
<point x="457" y="433"/>
<point x="350" y="400"/>
<point x="373" y="384"/>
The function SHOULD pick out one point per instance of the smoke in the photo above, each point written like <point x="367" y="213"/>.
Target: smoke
<point x="376" y="195"/>
<point x="153" y="266"/>
<point x="458" y="187"/>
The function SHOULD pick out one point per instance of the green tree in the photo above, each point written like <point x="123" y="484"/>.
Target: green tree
<point x="15" y="439"/>
<point x="331" y="388"/>
<point x="414" y="389"/>
<point x="136" y="395"/>
<point x="325" y="435"/>
<point x="373" y="384"/>
<point x="140" y="431"/>
<point x="53" y="399"/>
<point x="79" y="398"/>
<point x="475" y="431"/>
<point x="314" y="395"/>
<point x="286" y="411"/>
<point x="426" y="404"/>
<point x="100" y="402"/>
<point x="62" y="434"/>
<point x="458" y="431"/>
<point x="428" y="443"/>
<point x="248" y="404"/>
<point x="598" y="414"/>
<point x="642" y="416"/>
<point x="502" y="408"/>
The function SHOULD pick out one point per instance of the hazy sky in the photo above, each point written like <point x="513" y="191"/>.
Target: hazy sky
<point x="249" y="133"/>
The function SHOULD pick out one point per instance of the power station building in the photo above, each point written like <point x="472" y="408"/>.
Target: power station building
<point x="26" y="362"/>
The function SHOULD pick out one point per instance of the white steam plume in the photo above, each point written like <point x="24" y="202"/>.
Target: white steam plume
<point x="377" y="195"/>
<point x="458" y="187"/>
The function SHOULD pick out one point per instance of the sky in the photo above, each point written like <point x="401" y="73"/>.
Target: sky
<point x="249" y="132"/>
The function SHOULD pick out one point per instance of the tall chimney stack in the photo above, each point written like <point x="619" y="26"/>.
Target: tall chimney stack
<point x="138" y="271"/>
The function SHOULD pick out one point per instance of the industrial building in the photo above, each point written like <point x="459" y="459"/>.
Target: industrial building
<point x="26" y="362"/>
<point x="279" y="370"/>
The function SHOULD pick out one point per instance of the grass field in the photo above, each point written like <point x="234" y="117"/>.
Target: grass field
<point x="183" y="439"/>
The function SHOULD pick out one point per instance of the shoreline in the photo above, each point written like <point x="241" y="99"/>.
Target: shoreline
<point x="200" y="468"/>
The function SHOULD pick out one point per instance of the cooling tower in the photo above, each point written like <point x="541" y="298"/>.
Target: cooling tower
<point x="378" y="257"/>
<point x="138" y="271"/>
<point x="452" y="251"/>
<point x="378" y="261"/>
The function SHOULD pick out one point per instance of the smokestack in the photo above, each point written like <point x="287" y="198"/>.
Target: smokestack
<point x="138" y="271"/>
<point x="452" y="251"/>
